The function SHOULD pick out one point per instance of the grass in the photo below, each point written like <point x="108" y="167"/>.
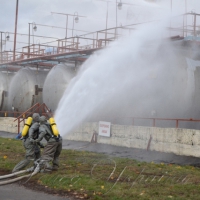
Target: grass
<point x="87" y="175"/>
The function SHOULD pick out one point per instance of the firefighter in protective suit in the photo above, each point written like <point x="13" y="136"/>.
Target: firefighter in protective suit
<point x="53" y="147"/>
<point x="32" y="149"/>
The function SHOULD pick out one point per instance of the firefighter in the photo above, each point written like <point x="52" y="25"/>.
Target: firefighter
<point x="32" y="149"/>
<point x="53" y="147"/>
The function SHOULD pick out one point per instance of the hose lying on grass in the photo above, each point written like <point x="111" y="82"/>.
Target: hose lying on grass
<point x="35" y="171"/>
<point x="13" y="174"/>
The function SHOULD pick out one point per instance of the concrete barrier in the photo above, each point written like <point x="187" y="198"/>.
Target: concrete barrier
<point x="7" y="124"/>
<point x="170" y="140"/>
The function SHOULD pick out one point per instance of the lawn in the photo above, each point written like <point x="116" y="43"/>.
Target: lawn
<point x="87" y="175"/>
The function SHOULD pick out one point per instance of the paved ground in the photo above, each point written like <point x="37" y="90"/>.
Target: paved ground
<point x="137" y="154"/>
<point x="6" y="192"/>
<point x="16" y="192"/>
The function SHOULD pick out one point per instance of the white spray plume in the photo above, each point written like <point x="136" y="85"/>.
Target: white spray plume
<point x="135" y="76"/>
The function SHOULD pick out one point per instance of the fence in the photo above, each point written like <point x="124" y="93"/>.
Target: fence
<point x="158" y="122"/>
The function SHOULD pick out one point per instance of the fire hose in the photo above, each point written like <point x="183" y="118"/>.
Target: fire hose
<point x="35" y="171"/>
<point x="13" y="174"/>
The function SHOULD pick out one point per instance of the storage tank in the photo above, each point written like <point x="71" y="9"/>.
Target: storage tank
<point x="56" y="83"/>
<point x="26" y="89"/>
<point x="5" y="79"/>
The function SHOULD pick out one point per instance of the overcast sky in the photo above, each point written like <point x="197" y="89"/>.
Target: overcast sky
<point x="39" y="11"/>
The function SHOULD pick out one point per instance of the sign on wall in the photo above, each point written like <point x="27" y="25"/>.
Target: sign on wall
<point x="104" y="128"/>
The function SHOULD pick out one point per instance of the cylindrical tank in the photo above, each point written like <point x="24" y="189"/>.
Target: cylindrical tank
<point x="26" y="89"/>
<point x="56" y="83"/>
<point x="5" y="79"/>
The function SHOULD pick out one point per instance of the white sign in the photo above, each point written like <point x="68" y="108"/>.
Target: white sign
<point x="104" y="129"/>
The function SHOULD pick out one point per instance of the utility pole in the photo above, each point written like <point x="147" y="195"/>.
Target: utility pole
<point x="195" y="19"/>
<point x="107" y="2"/>
<point x="1" y="47"/>
<point x="118" y="6"/>
<point x="29" y="39"/>
<point x="66" y="20"/>
<point x="66" y="26"/>
<point x="106" y="23"/>
<point x="73" y="15"/>
<point x="186" y="16"/>
<point x="116" y="22"/>
<point x="16" y="16"/>
<point x="76" y="19"/>
<point x="116" y="13"/>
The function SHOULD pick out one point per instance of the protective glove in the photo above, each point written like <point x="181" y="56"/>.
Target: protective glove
<point x="33" y="141"/>
<point x="41" y="145"/>
<point x="19" y="136"/>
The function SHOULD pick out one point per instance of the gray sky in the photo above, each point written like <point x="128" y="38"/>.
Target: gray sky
<point x="39" y="11"/>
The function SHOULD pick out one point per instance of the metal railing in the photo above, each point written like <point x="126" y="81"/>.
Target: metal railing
<point x="155" y="122"/>
<point x="93" y="40"/>
<point x="42" y="109"/>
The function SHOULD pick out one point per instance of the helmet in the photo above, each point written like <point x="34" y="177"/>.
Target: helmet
<point x="43" y="119"/>
<point x="36" y="117"/>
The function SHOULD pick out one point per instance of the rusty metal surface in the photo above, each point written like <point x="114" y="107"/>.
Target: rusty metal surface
<point x="70" y="49"/>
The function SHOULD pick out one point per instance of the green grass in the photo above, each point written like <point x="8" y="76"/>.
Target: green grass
<point x="95" y="176"/>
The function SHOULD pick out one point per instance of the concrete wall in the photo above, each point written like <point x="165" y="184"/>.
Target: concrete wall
<point x="7" y="124"/>
<point x="171" y="140"/>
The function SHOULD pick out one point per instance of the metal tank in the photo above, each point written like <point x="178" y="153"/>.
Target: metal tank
<point x="5" y="79"/>
<point x="56" y="83"/>
<point x="26" y="89"/>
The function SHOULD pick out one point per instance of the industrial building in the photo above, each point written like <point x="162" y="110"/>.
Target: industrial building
<point x="39" y="74"/>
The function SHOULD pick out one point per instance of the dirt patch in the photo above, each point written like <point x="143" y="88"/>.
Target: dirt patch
<point x="4" y="172"/>
<point x="33" y="185"/>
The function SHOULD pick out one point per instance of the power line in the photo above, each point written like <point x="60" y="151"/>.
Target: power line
<point x="60" y="27"/>
<point x="31" y="35"/>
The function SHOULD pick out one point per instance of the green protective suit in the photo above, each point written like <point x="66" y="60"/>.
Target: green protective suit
<point x="32" y="149"/>
<point x="53" y="147"/>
